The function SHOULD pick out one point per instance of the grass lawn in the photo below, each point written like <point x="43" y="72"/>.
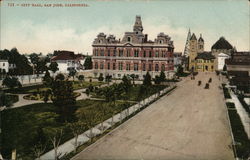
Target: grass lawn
<point x="240" y="136"/>
<point x="21" y="127"/>
<point x="41" y="87"/>
<point x="86" y="84"/>
<point x="133" y="93"/>
<point x="226" y="92"/>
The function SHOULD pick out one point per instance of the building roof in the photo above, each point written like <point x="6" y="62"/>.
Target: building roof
<point x="222" y="43"/>
<point x="232" y="62"/>
<point x="66" y="55"/>
<point x="3" y="60"/>
<point x="205" y="56"/>
<point x="201" y="39"/>
<point x="193" y="37"/>
<point x="223" y="55"/>
<point x="238" y="73"/>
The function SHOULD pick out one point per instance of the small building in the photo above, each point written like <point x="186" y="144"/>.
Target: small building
<point x="4" y="66"/>
<point x="221" y="60"/>
<point x="204" y="62"/>
<point x="221" y="46"/>
<point x="67" y="60"/>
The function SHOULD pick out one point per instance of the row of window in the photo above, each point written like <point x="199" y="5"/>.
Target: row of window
<point x="128" y="66"/>
<point x="128" y="53"/>
<point x="205" y="61"/>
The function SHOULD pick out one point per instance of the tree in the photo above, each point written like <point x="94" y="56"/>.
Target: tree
<point x="87" y="92"/>
<point x="46" y="96"/>
<point x="133" y="78"/>
<point x="60" y="77"/>
<point x="64" y="98"/>
<point x="72" y="73"/>
<point x="11" y="82"/>
<point x="47" y="79"/>
<point x="107" y="92"/>
<point x="87" y="117"/>
<point x="38" y="150"/>
<point x="157" y="79"/>
<point x="147" y="80"/>
<point x="179" y="70"/>
<point x="126" y="83"/>
<point x="53" y="67"/>
<point x="225" y="67"/>
<point x="102" y="108"/>
<point x="162" y="77"/>
<point x="100" y="78"/>
<point x="77" y="128"/>
<point x="55" y="136"/>
<point x="108" y="78"/>
<point x="141" y="94"/>
<point x="81" y="78"/>
<point x="5" y="100"/>
<point x="88" y="63"/>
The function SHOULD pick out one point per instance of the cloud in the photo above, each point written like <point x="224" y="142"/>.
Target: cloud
<point x="29" y="37"/>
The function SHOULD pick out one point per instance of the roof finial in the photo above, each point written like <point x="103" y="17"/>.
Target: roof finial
<point x="200" y="35"/>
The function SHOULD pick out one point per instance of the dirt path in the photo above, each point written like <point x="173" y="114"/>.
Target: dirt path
<point x="190" y="123"/>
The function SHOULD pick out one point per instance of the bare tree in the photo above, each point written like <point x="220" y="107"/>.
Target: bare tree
<point x="39" y="149"/>
<point x="77" y="128"/>
<point x="88" y="117"/>
<point x="55" y="136"/>
<point x="102" y="108"/>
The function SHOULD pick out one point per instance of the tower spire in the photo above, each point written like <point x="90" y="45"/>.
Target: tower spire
<point x="186" y="49"/>
<point x="138" y="25"/>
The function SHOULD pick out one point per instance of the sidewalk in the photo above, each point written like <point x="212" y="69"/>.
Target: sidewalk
<point x="242" y="113"/>
<point x="68" y="146"/>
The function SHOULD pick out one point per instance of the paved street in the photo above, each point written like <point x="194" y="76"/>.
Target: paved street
<point x="190" y="123"/>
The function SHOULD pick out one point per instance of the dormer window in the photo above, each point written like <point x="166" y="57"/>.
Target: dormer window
<point x="160" y="41"/>
<point x="100" y="41"/>
<point x="129" y="39"/>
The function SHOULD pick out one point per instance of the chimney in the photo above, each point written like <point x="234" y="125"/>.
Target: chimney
<point x="146" y="38"/>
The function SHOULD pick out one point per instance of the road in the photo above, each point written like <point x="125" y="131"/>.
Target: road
<point x="190" y="123"/>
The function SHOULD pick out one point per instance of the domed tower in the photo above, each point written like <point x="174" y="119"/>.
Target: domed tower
<point x="200" y="44"/>
<point x="138" y="25"/>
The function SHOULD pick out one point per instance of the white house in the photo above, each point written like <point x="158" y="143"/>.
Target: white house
<point x="67" y="60"/>
<point x="221" y="60"/>
<point x="4" y="66"/>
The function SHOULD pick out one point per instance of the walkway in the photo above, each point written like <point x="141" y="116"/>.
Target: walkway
<point x="244" y="116"/>
<point x="190" y="123"/>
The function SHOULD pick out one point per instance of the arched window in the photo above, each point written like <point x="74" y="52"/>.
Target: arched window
<point x="156" y="67"/>
<point x="163" y="67"/>
<point x="96" y="65"/>
<point x="129" y="39"/>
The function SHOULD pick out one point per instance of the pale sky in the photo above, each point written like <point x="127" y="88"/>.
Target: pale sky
<point x="45" y="29"/>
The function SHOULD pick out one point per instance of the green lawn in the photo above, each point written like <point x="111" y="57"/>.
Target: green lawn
<point x="240" y="136"/>
<point x="41" y="87"/>
<point x="21" y="126"/>
<point x="133" y="92"/>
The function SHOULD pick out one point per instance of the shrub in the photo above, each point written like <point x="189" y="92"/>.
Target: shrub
<point x="226" y="92"/>
<point x="100" y="78"/>
<point x="207" y="86"/>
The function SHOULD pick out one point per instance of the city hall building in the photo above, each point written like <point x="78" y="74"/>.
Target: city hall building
<point x="133" y="54"/>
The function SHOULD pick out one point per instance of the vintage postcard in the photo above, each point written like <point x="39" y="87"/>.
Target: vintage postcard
<point x="124" y="79"/>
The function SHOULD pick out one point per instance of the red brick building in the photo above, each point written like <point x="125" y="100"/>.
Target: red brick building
<point x="134" y="54"/>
